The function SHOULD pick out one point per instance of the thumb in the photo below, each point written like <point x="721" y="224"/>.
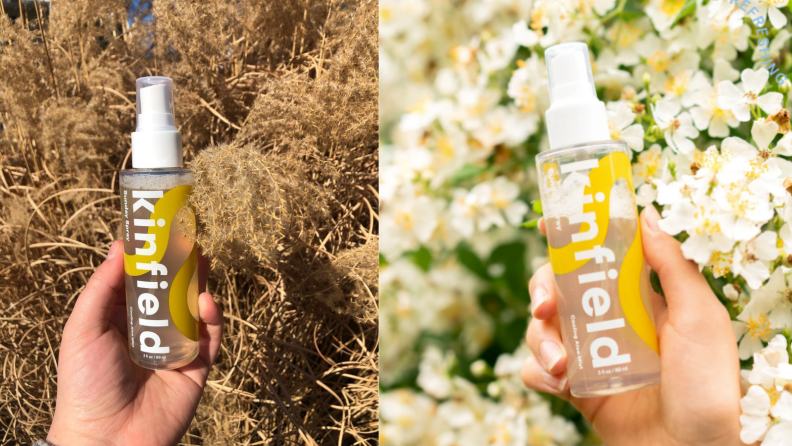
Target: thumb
<point x="686" y="290"/>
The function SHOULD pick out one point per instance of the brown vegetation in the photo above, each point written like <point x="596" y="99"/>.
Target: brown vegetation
<point x="277" y="104"/>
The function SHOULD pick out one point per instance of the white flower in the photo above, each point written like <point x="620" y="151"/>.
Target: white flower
<point x="434" y="375"/>
<point x="772" y="51"/>
<point x="486" y="205"/>
<point x="771" y="8"/>
<point x="770" y="364"/>
<point x="750" y="257"/>
<point x="763" y="132"/>
<point x="752" y="327"/>
<point x="650" y="165"/>
<point x="780" y="432"/>
<point x="708" y="115"/>
<point x="776" y="297"/>
<point x="498" y="52"/>
<point x="677" y="127"/>
<point x="731" y="292"/>
<point x="398" y="16"/>
<point x="528" y="85"/>
<point x="722" y="23"/>
<point x="664" y="12"/>
<point x="523" y="35"/>
<point x="406" y="417"/>
<point x="646" y="195"/>
<point x="738" y="99"/>
<point x="755" y="418"/>
<point x="664" y="64"/>
<point x="621" y="121"/>
<point x="409" y="220"/>
<point x="504" y="125"/>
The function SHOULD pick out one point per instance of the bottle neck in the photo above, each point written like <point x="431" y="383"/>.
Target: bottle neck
<point x="157" y="149"/>
<point x="571" y="123"/>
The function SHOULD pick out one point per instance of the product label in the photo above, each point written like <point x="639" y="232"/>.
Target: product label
<point x="160" y="262"/>
<point x="598" y="260"/>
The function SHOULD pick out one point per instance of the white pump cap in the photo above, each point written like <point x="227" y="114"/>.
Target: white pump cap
<point x="575" y="115"/>
<point x="156" y="143"/>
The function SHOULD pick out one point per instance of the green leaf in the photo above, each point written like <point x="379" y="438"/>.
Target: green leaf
<point x="472" y="261"/>
<point x="690" y="8"/>
<point x="467" y="172"/>
<point x="423" y="258"/>
<point x="512" y="257"/>
<point x="530" y="224"/>
<point x="655" y="281"/>
<point x="537" y="207"/>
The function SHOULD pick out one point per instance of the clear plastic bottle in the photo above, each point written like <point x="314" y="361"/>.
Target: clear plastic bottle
<point x="160" y="256"/>
<point x="594" y="238"/>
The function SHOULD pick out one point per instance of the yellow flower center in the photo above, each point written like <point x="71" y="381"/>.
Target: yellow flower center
<point x="758" y="327"/>
<point x="404" y="219"/>
<point x="672" y="7"/>
<point x="538" y="437"/>
<point x="677" y="84"/>
<point x="758" y="168"/>
<point x="659" y="61"/>
<point x="615" y="132"/>
<point x="526" y="99"/>
<point x="719" y="264"/>
<point x="675" y="124"/>
<point x="774" y="395"/>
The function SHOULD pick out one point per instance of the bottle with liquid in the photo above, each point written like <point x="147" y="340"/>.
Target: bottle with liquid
<point x="160" y="255"/>
<point x="594" y="238"/>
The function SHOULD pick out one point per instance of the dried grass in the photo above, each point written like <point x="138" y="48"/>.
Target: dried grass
<point x="284" y="95"/>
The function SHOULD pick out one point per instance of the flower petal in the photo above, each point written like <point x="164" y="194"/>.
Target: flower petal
<point x="764" y="133"/>
<point x="770" y="103"/>
<point x="754" y="81"/>
<point x="634" y="137"/>
<point x="777" y="18"/>
<point x="729" y="95"/>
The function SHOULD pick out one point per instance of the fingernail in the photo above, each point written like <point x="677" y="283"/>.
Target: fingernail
<point x="652" y="217"/>
<point x="538" y="297"/>
<point x="112" y="252"/>
<point x="551" y="354"/>
<point x="554" y="382"/>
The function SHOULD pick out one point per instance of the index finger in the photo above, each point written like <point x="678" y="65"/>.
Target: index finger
<point x="95" y="305"/>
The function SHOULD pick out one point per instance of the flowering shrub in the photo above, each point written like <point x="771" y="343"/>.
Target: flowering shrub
<point x="697" y="89"/>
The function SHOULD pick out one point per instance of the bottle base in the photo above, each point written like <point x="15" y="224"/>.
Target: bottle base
<point x="153" y="365"/>
<point x="615" y="386"/>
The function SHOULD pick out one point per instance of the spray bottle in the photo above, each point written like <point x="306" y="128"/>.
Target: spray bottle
<point x="594" y="237"/>
<point x="160" y="257"/>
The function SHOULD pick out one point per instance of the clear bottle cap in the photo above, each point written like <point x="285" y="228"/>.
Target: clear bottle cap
<point x="569" y="72"/>
<point x="155" y="107"/>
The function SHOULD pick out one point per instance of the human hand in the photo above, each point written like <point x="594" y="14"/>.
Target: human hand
<point x="698" y="400"/>
<point x="106" y="399"/>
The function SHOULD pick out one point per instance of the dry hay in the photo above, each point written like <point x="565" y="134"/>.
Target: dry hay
<point x="277" y="103"/>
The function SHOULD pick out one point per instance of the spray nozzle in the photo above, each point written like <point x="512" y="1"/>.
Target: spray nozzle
<point x="155" y="107"/>
<point x="569" y="72"/>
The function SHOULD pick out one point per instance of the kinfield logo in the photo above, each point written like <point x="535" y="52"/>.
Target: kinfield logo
<point x="148" y="304"/>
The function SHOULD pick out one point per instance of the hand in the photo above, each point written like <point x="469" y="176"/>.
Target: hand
<point x="698" y="400"/>
<point x="106" y="399"/>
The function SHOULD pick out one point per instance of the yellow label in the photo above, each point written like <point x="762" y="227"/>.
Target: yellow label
<point x="165" y="209"/>
<point x="611" y="168"/>
<point x="180" y="309"/>
<point x="630" y="293"/>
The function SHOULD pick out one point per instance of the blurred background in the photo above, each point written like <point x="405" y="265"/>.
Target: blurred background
<point x="277" y="105"/>
<point x="461" y="118"/>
